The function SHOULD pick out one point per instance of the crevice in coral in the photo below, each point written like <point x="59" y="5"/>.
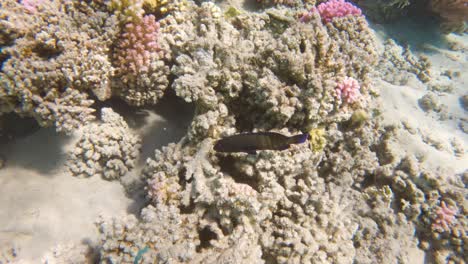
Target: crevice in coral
<point x="268" y="257"/>
<point x="205" y="236"/>
<point x="181" y="176"/>
<point x="46" y="52"/>
<point x="3" y="58"/>
<point x="228" y="167"/>
<point x="189" y="209"/>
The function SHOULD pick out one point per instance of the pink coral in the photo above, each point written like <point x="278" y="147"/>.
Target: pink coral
<point x="31" y="5"/>
<point x="348" y="90"/>
<point x="445" y="217"/>
<point x="335" y="8"/>
<point x="137" y="45"/>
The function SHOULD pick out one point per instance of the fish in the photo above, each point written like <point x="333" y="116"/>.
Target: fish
<point x="252" y="142"/>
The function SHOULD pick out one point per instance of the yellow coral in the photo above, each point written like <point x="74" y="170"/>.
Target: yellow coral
<point x="358" y="119"/>
<point x="317" y="140"/>
<point x="156" y="6"/>
<point x="127" y="10"/>
<point x="160" y="8"/>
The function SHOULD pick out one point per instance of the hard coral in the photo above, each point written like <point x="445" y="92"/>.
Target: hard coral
<point x="348" y="90"/>
<point x="159" y="7"/>
<point x="267" y="78"/>
<point x="137" y="43"/>
<point x="31" y="5"/>
<point x="141" y="71"/>
<point x="127" y="11"/>
<point x="445" y="217"/>
<point x="337" y="8"/>
<point x="109" y="149"/>
<point x="257" y="71"/>
<point x="40" y="75"/>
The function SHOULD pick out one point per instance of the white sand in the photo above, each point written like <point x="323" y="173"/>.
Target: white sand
<point x="434" y="140"/>
<point x="43" y="205"/>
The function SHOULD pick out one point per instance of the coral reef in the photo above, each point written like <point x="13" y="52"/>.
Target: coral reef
<point x="349" y="196"/>
<point x="126" y="11"/>
<point x="108" y="149"/>
<point x="277" y="206"/>
<point x="397" y="64"/>
<point x="278" y="84"/>
<point x="40" y="76"/>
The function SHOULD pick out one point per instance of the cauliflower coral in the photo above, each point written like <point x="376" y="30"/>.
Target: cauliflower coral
<point x="337" y="8"/>
<point x="348" y="90"/>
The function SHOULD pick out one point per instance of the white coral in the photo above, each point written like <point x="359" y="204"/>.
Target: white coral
<point x="109" y="148"/>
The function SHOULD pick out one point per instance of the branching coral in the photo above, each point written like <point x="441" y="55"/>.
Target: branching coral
<point x="267" y="71"/>
<point x="161" y="8"/>
<point x="276" y="78"/>
<point x="445" y="217"/>
<point x="127" y="11"/>
<point x="317" y="140"/>
<point x="40" y="72"/>
<point x="141" y="71"/>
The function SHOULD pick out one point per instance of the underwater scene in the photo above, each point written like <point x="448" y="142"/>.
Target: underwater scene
<point x="233" y="131"/>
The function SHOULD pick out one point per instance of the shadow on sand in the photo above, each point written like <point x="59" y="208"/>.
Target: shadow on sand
<point x="24" y="144"/>
<point x="158" y="125"/>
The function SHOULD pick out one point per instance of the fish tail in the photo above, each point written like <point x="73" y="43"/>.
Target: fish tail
<point x="298" y="139"/>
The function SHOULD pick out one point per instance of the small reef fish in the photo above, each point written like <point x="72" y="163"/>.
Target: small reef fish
<point x="251" y="142"/>
<point x="140" y="255"/>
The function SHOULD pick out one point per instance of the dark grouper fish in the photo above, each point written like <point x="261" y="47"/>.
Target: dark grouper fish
<point x="251" y="142"/>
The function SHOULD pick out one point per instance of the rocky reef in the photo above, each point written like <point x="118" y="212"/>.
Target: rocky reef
<point x="451" y="14"/>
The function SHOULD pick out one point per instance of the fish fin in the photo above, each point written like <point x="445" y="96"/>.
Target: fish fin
<point x="298" y="139"/>
<point x="251" y="150"/>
